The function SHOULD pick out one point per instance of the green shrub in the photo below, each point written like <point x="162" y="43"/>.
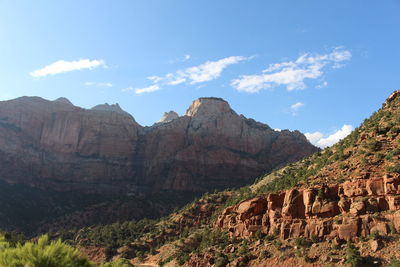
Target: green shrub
<point x="394" y="262"/>
<point x="392" y="153"/>
<point x="314" y="238"/>
<point x="258" y="235"/>
<point x="394" y="168"/>
<point x="353" y="256"/>
<point x="373" y="145"/>
<point x="43" y="253"/>
<point x="221" y="260"/>
<point x="265" y="254"/>
<point x="182" y="257"/>
<point x="302" y="242"/>
<point x="119" y="263"/>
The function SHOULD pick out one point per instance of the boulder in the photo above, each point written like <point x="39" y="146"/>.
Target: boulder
<point x="349" y="229"/>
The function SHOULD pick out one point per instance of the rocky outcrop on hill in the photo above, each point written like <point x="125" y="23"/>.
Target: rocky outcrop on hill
<point x="353" y="192"/>
<point x="54" y="144"/>
<point x="346" y="211"/>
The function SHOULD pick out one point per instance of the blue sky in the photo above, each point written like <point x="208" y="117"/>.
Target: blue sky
<point x="317" y="66"/>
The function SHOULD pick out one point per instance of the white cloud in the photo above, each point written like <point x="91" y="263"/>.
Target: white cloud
<point x="292" y="74"/>
<point x="314" y="137"/>
<point x="322" y="85"/>
<point x="180" y="59"/>
<point x="295" y="107"/>
<point x="317" y="138"/>
<point x="62" y="66"/>
<point x="205" y="72"/>
<point x="147" y="89"/>
<point x="154" y="79"/>
<point x="96" y="84"/>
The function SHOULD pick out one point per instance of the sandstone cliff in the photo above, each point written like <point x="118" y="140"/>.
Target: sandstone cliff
<point x="211" y="147"/>
<point x="56" y="145"/>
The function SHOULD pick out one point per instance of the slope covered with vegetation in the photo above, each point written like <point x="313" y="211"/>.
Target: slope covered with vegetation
<point x="194" y="236"/>
<point x="190" y="236"/>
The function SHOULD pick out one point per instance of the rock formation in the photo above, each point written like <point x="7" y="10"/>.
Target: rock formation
<point x="168" y="116"/>
<point x="54" y="144"/>
<point x="346" y="211"/>
<point x="354" y="194"/>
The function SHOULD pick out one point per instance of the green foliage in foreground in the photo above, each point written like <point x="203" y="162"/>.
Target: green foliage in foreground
<point x="394" y="263"/>
<point x="118" y="263"/>
<point x="42" y="253"/>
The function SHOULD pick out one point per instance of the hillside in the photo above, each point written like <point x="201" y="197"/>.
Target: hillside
<point x="302" y="214"/>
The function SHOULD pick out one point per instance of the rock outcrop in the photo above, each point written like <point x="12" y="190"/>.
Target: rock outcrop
<point x="345" y="211"/>
<point x="168" y="116"/>
<point x="54" y="144"/>
<point x="364" y="200"/>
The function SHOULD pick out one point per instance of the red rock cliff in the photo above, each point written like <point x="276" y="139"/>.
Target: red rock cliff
<point x="58" y="145"/>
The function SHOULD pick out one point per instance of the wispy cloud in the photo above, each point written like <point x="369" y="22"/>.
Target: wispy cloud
<point x="148" y="89"/>
<point x="205" y="72"/>
<point x="62" y="66"/>
<point x="292" y="74"/>
<point x="180" y="59"/>
<point x="322" y="84"/>
<point x="318" y="139"/>
<point x="295" y="108"/>
<point x="97" y="84"/>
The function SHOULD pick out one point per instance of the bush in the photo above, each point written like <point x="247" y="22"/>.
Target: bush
<point x="41" y="254"/>
<point x="119" y="263"/>
<point x="265" y="254"/>
<point x="394" y="262"/>
<point x="353" y="256"/>
<point x="373" y="145"/>
<point x="302" y="242"/>
<point x="392" y="153"/>
<point x="221" y="260"/>
<point x="394" y="168"/>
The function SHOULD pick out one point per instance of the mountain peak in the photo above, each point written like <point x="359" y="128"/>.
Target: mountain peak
<point x="208" y="107"/>
<point x="63" y="100"/>
<point x="108" y="107"/>
<point x="168" y="116"/>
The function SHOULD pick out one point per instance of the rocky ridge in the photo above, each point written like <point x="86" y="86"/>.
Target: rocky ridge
<point x="168" y="116"/>
<point x="53" y="144"/>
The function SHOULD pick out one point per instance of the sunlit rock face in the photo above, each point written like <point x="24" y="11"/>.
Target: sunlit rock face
<point x="168" y="116"/>
<point x="54" y="144"/>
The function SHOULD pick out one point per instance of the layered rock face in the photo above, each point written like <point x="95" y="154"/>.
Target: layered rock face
<point x="212" y="147"/>
<point x="54" y="144"/>
<point x="345" y="211"/>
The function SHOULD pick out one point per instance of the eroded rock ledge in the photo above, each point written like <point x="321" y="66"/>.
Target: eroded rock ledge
<point x="346" y="211"/>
